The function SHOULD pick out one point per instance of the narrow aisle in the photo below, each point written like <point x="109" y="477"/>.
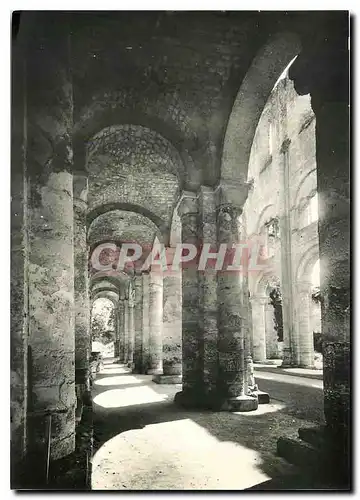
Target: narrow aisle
<point x="144" y="442"/>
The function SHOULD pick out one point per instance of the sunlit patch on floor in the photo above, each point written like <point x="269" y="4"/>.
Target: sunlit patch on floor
<point x="174" y="455"/>
<point x="110" y="369"/>
<point x="120" y="380"/>
<point x="118" y="398"/>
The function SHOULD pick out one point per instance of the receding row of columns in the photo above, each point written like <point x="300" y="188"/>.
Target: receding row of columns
<point x="190" y="322"/>
<point x="211" y="377"/>
<point x="299" y="347"/>
<point x="148" y="338"/>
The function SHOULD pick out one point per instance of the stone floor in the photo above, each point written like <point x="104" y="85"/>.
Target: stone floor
<point x="144" y="442"/>
<point x="302" y="372"/>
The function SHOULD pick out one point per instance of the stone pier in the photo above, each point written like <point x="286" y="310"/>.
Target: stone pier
<point x="329" y="91"/>
<point x="126" y="330"/>
<point x="208" y="305"/>
<point x="121" y="328"/>
<point x="19" y="262"/>
<point x="131" y="328"/>
<point x="145" y="323"/>
<point x="51" y="247"/>
<point x="258" y="303"/>
<point x="192" y="394"/>
<point x="138" y="318"/>
<point x="81" y="286"/>
<point x="232" y="376"/>
<point x="305" y="333"/>
<point x="171" y="328"/>
<point x="289" y="349"/>
<point x="155" y="366"/>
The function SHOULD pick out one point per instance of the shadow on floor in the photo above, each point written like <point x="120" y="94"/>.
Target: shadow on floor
<point x="123" y="410"/>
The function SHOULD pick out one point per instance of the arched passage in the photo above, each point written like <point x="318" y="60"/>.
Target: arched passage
<point x="103" y="323"/>
<point x="254" y="91"/>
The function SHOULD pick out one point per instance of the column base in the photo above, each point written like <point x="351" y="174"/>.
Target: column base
<point x="263" y="397"/>
<point x="154" y="371"/>
<point x="167" y="379"/>
<point x="172" y="368"/>
<point x="287" y="365"/>
<point x="214" y="402"/>
<point x="287" y="361"/>
<point x="307" y="367"/>
<point x="193" y="400"/>
<point x="241" y="404"/>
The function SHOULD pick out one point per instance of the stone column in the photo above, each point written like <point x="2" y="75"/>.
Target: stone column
<point x="126" y="331"/>
<point x="171" y="346"/>
<point x="272" y="346"/>
<point x="305" y="334"/>
<point x="121" y="329"/>
<point x="51" y="255"/>
<point x="289" y="354"/>
<point x="81" y="286"/>
<point x="131" y="329"/>
<point x="332" y="156"/>
<point x="155" y="321"/>
<point x="138" y="318"/>
<point x="145" y="323"/>
<point x="192" y="394"/>
<point x="232" y="375"/>
<point x="208" y="307"/>
<point x="117" y="334"/>
<point x="19" y="265"/>
<point x="329" y="89"/>
<point x="258" y="303"/>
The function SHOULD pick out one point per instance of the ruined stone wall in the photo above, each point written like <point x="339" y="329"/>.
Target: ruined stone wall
<point x="286" y="116"/>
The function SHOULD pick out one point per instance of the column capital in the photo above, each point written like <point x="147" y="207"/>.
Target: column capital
<point x="230" y="192"/>
<point x="188" y="203"/>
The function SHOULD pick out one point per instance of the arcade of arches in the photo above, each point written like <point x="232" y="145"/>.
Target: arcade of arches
<point x="179" y="128"/>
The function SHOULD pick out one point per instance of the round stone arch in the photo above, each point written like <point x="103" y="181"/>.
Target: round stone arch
<point x="299" y="199"/>
<point x="127" y="207"/>
<point x="250" y="101"/>
<point x="137" y="166"/>
<point x="305" y="308"/>
<point x="264" y="281"/>
<point x="306" y="264"/>
<point x="116" y="279"/>
<point x="106" y="294"/>
<point x="103" y="287"/>
<point x="265" y="337"/>
<point x="109" y="109"/>
<point x="121" y="226"/>
<point x="267" y="212"/>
